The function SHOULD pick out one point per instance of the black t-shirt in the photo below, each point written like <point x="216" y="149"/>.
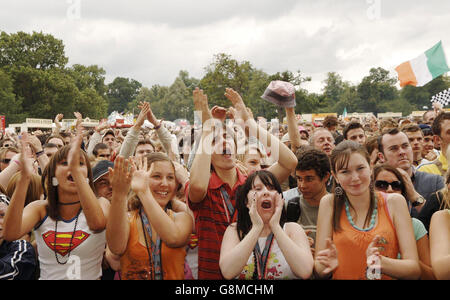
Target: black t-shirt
<point x="429" y="208"/>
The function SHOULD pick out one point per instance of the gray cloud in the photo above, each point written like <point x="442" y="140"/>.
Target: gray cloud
<point x="151" y="41"/>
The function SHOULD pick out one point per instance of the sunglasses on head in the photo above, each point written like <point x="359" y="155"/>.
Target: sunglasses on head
<point x="384" y="185"/>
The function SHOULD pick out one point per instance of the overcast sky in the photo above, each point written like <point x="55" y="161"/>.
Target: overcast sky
<point x="152" y="40"/>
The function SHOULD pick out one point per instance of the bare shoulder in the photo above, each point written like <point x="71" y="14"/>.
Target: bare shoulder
<point x="327" y="200"/>
<point x="395" y="201"/>
<point x="293" y="228"/>
<point x="441" y="217"/>
<point x="38" y="205"/>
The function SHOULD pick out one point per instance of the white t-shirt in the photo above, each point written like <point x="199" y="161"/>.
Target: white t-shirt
<point x="85" y="260"/>
<point x="277" y="266"/>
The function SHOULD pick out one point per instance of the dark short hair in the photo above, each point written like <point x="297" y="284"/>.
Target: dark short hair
<point x="385" y="167"/>
<point x="314" y="160"/>
<point x="427" y="132"/>
<point x="351" y="126"/>
<point x="330" y="121"/>
<point x="244" y="222"/>
<point x="99" y="146"/>
<point x="392" y="131"/>
<point x="437" y="123"/>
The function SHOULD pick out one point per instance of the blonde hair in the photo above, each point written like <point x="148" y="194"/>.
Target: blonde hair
<point x="34" y="191"/>
<point x="445" y="204"/>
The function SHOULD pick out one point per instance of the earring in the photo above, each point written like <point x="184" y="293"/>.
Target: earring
<point x="55" y="181"/>
<point x="338" y="191"/>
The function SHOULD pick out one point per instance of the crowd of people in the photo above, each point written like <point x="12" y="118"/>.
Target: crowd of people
<point x="234" y="198"/>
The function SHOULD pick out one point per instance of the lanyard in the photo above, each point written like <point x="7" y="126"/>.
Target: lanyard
<point x="156" y="248"/>
<point x="262" y="259"/>
<point x="229" y="208"/>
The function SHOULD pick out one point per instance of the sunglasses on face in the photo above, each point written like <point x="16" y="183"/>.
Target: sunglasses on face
<point x="6" y="160"/>
<point x="384" y="185"/>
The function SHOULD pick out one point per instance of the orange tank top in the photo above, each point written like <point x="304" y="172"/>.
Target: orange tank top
<point x="351" y="243"/>
<point x="134" y="263"/>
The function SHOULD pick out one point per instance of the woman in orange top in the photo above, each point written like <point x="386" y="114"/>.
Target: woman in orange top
<point x="151" y="239"/>
<point x="360" y="233"/>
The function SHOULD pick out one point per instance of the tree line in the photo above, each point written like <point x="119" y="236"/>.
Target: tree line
<point x="36" y="82"/>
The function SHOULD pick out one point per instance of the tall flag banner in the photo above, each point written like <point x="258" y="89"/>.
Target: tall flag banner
<point x="424" y="68"/>
<point x="344" y="113"/>
<point x="442" y="98"/>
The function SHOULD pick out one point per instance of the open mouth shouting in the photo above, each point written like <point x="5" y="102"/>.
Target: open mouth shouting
<point x="266" y="204"/>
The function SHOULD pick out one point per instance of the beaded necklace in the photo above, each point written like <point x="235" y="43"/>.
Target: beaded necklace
<point x="71" y="239"/>
<point x="372" y="219"/>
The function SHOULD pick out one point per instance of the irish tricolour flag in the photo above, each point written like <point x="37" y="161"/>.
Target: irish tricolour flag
<point x="423" y="69"/>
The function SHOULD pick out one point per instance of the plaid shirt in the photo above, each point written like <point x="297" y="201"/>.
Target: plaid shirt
<point x="211" y="220"/>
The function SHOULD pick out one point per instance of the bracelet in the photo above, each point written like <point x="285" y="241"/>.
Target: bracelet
<point x="39" y="153"/>
<point x="159" y="126"/>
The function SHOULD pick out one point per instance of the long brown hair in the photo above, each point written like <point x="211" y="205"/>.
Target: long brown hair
<point x="133" y="200"/>
<point x="51" y="192"/>
<point x="339" y="160"/>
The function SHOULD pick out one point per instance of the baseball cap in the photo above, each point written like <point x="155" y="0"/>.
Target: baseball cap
<point x="101" y="168"/>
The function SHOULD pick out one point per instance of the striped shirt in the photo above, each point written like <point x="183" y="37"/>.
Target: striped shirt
<point x="212" y="219"/>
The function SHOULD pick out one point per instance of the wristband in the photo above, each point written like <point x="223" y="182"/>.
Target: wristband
<point x="159" y="126"/>
<point x="17" y="162"/>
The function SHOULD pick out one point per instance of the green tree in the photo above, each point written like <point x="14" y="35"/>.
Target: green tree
<point x="333" y="90"/>
<point x="36" y="50"/>
<point x="375" y="89"/>
<point x="89" y="77"/>
<point x="91" y="104"/>
<point x="225" y="72"/>
<point x="10" y="106"/>
<point x="154" y="96"/>
<point x="121" y="92"/>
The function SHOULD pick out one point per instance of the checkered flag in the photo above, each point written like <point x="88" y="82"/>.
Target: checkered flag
<point x="442" y="98"/>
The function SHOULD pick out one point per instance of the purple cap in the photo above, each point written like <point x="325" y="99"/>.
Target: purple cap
<point x="280" y="93"/>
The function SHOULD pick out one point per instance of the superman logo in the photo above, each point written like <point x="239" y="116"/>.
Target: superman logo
<point x="62" y="245"/>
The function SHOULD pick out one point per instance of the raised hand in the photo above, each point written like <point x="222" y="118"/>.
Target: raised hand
<point x="120" y="177"/>
<point x="241" y="111"/>
<point x="201" y="104"/>
<point x="58" y="119"/>
<point x="102" y="126"/>
<point x="257" y="222"/>
<point x="25" y="160"/>
<point x="279" y="203"/>
<point x="73" y="157"/>
<point x="328" y="257"/>
<point x="34" y="143"/>
<point x="79" y="119"/>
<point x="145" y="112"/>
<point x="141" y="176"/>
